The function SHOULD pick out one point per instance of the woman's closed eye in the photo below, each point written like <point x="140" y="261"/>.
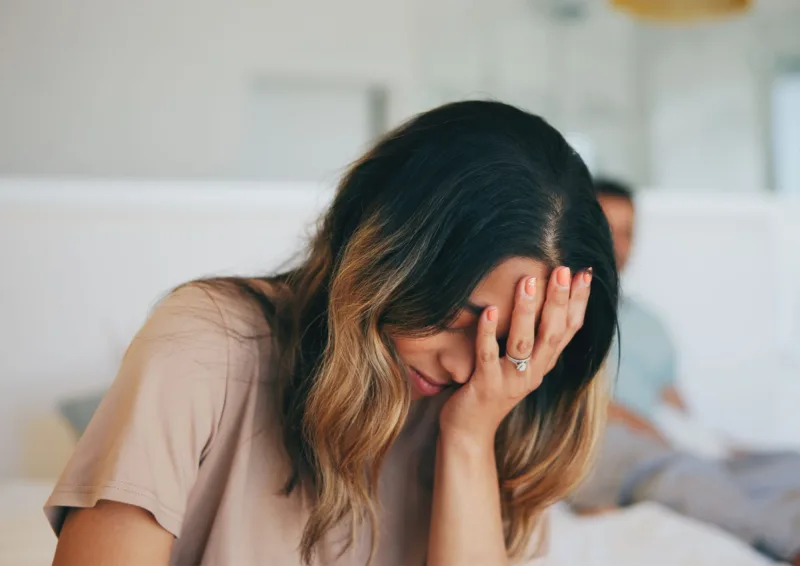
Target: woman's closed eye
<point x="465" y="323"/>
<point x="470" y="330"/>
<point x="456" y="329"/>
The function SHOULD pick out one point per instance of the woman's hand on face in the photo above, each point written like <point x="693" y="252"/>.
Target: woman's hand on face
<point x="476" y="410"/>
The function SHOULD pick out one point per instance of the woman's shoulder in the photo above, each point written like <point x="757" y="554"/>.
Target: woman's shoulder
<point x="222" y="318"/>
<point x="180" y="398"/>
<point x="236" y="303"/>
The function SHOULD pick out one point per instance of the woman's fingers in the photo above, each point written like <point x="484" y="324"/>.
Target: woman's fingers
<point x="576" y="311"/>
<point x="553" y="325"/>
<point x="578" y="299"/>
<point x="486" y="348"/>
<point x="519" y="343"/>
<point x="561" y="317"/>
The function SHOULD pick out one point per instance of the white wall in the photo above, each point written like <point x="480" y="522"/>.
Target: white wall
<point x="84" y="262"/>
<point x="786" y="131"/>
<point x="162" y="88"/>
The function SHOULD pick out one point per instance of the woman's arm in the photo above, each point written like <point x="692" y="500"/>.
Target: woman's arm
<point x="112" y="533"/>
<point x="123" y="495"/>
<point x="466" y="517"/>
<point x="466" y="525"/>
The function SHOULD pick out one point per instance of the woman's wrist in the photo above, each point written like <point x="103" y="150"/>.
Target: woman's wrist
<point x="466" y="516"/>
<point x="467" y="445"/>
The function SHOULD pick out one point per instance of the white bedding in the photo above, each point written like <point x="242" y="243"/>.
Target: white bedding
<point x="645" y="535"/>
<point x="25" y="536"/>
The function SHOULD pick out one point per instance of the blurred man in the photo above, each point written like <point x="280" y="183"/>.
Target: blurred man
<point x="754" y="496"/>
<point x="646" y="369"/>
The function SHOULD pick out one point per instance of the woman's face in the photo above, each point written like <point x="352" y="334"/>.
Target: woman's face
<point x="448" y="358"/>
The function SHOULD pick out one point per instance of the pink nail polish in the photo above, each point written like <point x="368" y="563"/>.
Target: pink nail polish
<point x="562" y="277"/>
<point x="530" y="286"/>
<point x="491" y="314"/>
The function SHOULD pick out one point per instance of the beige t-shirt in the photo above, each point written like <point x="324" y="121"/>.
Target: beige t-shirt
<point x="189" y="432"/>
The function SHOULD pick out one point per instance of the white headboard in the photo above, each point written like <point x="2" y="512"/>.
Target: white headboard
<point x="84" y="262"/>
<point x="724" y="272"/>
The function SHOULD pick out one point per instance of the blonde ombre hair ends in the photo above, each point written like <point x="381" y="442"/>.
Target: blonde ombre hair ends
<point x="414" y="226"/>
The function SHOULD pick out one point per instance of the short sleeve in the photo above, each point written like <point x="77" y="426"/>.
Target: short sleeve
<point x="664" y="353"/>
<point x="149" y="435"/>
<point x="669" y="359"/>
<point x="647" y="361"/>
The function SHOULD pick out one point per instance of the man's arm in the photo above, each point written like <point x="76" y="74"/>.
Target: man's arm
<point x="620" y="415"/>
<point x="672" y="397"/>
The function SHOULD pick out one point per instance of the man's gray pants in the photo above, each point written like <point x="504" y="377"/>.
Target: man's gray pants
<point x="755" y="496"/>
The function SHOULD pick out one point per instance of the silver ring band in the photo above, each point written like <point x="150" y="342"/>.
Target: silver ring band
<point x="521" y="365"/>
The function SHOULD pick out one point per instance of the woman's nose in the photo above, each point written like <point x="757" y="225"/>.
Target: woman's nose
<point x="458" y="358"/>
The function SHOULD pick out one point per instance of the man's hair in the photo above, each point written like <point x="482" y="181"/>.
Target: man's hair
<point x="613" y="188"/>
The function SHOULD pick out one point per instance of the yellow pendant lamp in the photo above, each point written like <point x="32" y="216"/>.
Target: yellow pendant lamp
<point x="682" y="10"/>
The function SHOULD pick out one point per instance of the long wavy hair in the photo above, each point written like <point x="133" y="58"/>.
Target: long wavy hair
<point x="414" y="226"/>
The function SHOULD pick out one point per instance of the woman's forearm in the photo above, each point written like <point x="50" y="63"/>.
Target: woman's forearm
<point x="466" y="522"/>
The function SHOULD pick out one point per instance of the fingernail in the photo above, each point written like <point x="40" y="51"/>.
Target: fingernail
<point x="491" y="314"/>
<point x="587" y="277"/>
<point x="530" y="286"/>
<point x="562" y="277"/>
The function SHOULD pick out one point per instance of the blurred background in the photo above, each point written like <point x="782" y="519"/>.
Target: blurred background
<point x="143" y="144"/>
<point x="146" y="143"/>
<point x="174" y="89"/>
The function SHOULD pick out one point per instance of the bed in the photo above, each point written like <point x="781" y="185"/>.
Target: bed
<point x="643" y="535"/>
<point x="25" y="536"/>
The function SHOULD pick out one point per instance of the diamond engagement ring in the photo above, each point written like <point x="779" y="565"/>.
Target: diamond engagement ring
<point x="522" y="365"/>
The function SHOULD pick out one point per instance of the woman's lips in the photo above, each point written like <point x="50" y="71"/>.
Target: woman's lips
<point x="423" y="385"/>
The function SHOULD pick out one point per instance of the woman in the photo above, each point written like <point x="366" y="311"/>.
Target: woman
<point x="293" y="419"/>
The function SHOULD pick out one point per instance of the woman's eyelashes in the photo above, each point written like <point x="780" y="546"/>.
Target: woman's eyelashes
<point x="465" y="330"/>
<point x="452" y="330"/>
<point x="470" y="332"/>
<point x="465" y="323"/>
